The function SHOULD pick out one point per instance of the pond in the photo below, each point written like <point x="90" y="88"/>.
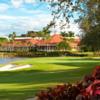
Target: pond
<point x="9" y="60"/>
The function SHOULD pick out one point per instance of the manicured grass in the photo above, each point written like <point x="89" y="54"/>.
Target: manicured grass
<point x="45" y="72"/>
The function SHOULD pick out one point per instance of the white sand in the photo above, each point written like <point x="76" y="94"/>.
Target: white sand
<point x="11" y="67"/>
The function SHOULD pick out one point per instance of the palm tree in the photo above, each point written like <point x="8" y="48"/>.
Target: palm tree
<point x="64" y="34"/>
<point x="12" y="36"/>
<point x="71" y="34"/>
<point x="45" y="33"/>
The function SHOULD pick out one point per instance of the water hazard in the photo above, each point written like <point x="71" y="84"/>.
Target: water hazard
<point x="4" y="60"/>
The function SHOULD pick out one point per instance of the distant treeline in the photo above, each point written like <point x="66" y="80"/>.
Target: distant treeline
<point x="40" y="54"/>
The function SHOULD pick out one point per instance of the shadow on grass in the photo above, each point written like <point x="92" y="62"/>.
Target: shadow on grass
<point x="18" y="95"/>
<point x="38" y="76"/>
<point x="35" y="77"/>
<point x="84" y="67"/>
<point x="79" y="59"/>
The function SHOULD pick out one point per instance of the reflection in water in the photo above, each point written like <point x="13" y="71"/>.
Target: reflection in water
<point x="4" y="60"/>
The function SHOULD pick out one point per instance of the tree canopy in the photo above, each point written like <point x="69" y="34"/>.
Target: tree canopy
<point x="85" y="12"/>
<point x="63" y="10"/>
<point x="68" y="34"/>
<point x="63" y="46"/>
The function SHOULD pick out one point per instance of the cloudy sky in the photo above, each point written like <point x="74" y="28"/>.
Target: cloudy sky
<point x="21" y="16"/>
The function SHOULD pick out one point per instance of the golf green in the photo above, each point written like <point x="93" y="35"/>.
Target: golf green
<point x="45" y="72"/>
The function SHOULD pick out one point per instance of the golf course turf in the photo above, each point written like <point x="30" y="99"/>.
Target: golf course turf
<point x="45" y="72"/>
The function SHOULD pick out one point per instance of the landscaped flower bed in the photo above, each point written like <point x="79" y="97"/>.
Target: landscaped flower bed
<point x="87" y="89"/>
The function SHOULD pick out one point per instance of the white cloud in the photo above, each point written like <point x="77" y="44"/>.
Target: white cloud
<point x="74" y="27"/>
<point x="32" y="23"/>
<point x="22" y="24"/>
<point x="6" y="17"/>
<point x="30" y="11"/>
<point x="51" y="0"/>
<point x="3" y="7"/>
<point x="17" y="3"/>
<point x="30" y="1"/>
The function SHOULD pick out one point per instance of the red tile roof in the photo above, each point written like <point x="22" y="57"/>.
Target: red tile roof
<point x="55" y="39"/>
<point x="33" y="41"/>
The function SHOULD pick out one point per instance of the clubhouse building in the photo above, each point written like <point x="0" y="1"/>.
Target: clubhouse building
<point x="37" y="44"/>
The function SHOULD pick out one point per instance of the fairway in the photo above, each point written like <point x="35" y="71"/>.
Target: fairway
<point x="45" y="72"/>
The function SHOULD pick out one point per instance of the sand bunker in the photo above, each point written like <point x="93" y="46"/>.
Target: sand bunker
<point x="11" y="67"/>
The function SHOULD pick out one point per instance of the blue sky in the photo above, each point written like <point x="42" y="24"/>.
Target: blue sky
<point x="21" y="16"/>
